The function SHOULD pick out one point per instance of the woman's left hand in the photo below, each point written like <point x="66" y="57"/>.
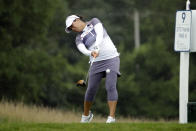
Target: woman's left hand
<point x="94" y="54"/>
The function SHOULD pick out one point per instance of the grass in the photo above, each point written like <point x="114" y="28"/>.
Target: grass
<point x="24" y="113"/>
<point x="19" y="117"/>
<point x="25" y="126"/>
<point x="21" y="112"/>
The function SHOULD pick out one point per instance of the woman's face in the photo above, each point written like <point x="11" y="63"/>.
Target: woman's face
<point x="77" y="25"/>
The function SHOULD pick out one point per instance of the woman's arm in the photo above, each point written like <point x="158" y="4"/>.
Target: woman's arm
<point x="81" y="47"/>
<point x="99" y="31"/>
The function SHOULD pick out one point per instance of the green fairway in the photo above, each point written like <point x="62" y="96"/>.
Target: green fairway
<point x="23" y="126"/>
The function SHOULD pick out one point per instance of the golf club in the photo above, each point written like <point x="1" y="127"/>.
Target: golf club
<point x="82" y="83"/>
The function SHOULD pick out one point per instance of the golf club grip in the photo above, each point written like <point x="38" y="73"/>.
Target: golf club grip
<point x="92" y="61"/>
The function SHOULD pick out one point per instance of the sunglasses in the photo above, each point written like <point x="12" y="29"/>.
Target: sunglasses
<point x="69" y="28"/>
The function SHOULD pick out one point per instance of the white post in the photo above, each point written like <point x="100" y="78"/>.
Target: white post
<point x="188" y="5"/>
<point x="137" y="28"/>
<point x="184" y="80"/>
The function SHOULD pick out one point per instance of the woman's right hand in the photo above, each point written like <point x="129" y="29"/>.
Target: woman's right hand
<point x="94" y="54"/>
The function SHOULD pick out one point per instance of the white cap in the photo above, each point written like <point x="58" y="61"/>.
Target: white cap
<point x="69" y="20"/>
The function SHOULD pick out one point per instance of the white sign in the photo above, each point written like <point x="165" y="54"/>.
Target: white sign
<point x="183" y="31"/>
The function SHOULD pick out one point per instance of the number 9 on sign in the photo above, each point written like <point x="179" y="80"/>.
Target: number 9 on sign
<point x="183" y="16"/>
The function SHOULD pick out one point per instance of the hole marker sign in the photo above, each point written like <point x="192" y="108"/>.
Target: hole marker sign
<point x="183" y="31"/>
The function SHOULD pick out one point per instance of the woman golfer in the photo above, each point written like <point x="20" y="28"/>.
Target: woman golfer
<point x="92" y="40"/>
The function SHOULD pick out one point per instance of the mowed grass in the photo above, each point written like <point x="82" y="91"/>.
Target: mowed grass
<point x="25" y="126"/>
<point x="20" y="117"/>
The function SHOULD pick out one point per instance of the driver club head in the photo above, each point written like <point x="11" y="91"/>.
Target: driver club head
<point x="81" y="83"/>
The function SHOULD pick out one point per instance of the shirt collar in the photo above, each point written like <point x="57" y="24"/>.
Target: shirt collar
<point x="85" y="28"/>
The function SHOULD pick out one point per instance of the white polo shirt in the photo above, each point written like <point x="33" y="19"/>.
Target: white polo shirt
<point x="94" y="37"/>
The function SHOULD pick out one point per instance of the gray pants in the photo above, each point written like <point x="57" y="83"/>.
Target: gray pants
<point x="110" y="84"/>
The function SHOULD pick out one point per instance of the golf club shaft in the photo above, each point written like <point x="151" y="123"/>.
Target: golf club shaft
<point x="89" y="70"/>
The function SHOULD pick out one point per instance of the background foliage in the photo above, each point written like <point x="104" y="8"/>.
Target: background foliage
<point x="39" y="62"/>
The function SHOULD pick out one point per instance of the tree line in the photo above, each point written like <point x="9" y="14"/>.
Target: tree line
<point x="40" y="64"/>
